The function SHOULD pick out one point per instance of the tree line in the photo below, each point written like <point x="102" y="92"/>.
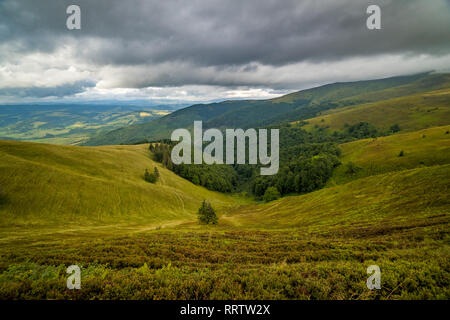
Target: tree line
<point x="307" y="161"/>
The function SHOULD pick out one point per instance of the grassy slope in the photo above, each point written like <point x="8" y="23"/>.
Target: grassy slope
<point x="368" y="90"/>
<point x="426" y="147"/>
<point x="314" y="246"/>
<point x="298" y="105"/>
<point x="382" y="203"/>
<point x="420" y="84"/>
<point x="50" y="184"/>
<point x="387" y="192"/>
<point x="307" y="103"/>
<point x="411" y="113"/>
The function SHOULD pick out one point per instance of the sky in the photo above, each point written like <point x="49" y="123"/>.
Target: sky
<point x="193" y="51"/>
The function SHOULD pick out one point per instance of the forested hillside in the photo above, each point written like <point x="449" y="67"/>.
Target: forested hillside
<point x="296" y="106"/>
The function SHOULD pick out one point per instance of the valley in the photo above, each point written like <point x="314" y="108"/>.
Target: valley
<point x="383" y="199"/>
<point x="72" y="124"/>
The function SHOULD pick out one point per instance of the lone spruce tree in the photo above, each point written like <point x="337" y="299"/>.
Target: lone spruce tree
<point x="206" y="213"/>
<point x="150" y="177"/>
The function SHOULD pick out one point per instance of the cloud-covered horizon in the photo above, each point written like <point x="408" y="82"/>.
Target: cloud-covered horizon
<point x="206" y="50"/>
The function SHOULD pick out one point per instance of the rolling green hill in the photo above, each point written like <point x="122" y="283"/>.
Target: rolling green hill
<point x="49" y="184"/>
<point x="384" y="203"/>
<point x="296" y="106"/>
<point x="411" y="113"/>
<point x="427" y="147"/>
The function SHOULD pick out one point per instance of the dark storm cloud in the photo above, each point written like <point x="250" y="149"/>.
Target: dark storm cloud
<point x="222" y="35"/>
<point x="43" y="92"/>
<point x="231" y="32"/>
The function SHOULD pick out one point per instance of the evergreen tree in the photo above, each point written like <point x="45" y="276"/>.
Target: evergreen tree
<point x="395" y="128"/>
<point x="271" y="194"/>
<point x="206" y="213"/>
<point x="146" y="175"/>
<point x="149" y="177"/>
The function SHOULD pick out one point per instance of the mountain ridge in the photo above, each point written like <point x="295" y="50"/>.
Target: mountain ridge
<point x="294" y="106"/>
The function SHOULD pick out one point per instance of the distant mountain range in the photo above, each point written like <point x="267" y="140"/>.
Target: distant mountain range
<point x="296" y="106"/>
<point x="71" y="123"/>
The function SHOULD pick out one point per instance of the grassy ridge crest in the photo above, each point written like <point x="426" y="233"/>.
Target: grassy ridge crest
<point x="51" y="184"/>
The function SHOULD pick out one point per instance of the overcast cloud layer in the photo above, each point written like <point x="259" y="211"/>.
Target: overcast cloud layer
<point x="203" y="50"/>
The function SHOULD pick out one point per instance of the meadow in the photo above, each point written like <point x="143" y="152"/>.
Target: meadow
<point x="148" y="244"/>
<point x="411" y="113"/>
<point x="45" y="184"/>
<point x="422" y="148"/>
<point x="229" y="263"/>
